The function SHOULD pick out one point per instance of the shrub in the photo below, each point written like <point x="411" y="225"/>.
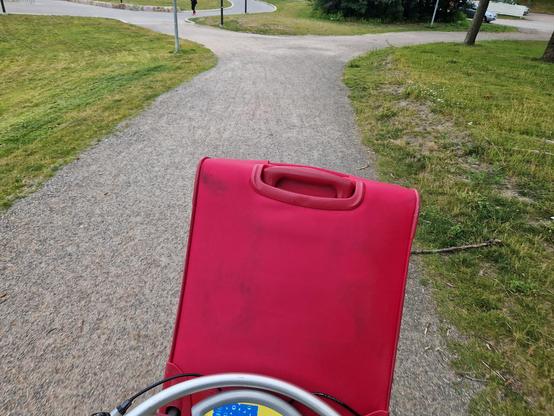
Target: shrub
<point x="393" y="10"/>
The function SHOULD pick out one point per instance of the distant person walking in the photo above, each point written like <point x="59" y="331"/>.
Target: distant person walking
<point x="193" y="4"/>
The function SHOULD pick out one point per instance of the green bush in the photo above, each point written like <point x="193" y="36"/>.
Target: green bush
<point x="393" y="10"/>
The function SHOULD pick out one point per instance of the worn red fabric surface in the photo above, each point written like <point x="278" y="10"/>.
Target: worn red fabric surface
<point x="296" y="273"/>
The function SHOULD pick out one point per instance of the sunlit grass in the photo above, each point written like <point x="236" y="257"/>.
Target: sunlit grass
<point x="66" y="82"/>
<point x="472" y="129"/>
<point x="181" y="4"/>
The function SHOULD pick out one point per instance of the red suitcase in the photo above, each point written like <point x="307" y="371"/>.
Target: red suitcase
<point x="297" y="273"/>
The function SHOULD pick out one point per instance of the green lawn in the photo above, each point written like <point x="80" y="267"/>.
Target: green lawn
<point x="66" y="82"/>
<point x="539" y="6"/>
<point x="472" y="129"/>
<point x="181" y="4"/>
<point x="505" y="16"/>
<point x="295" y="17"/>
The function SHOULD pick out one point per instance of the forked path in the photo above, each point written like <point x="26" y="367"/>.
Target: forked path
<point x="91" y="263"/>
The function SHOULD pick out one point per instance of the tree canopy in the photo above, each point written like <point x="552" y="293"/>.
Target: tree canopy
<point x="393" y="10"/>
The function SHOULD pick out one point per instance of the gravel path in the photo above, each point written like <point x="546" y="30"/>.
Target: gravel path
<point x="91" y="263"/>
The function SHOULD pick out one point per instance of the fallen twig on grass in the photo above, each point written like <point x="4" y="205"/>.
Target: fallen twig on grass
<point x="464" y="375"/>
<point x="494" y="371"/>
<point x="458" y="248"/>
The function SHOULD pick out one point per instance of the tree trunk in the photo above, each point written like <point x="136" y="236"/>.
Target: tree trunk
<point x="549" y="52"/>
<point x="476" y="22"/>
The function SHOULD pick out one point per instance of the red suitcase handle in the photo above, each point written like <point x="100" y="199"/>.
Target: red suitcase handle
<point x="307" y="187"/>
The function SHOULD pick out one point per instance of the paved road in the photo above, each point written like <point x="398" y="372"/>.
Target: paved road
<point x="532" y="22"/>
<point x="46" y="7"/>
<point x="91" y="263"/>
<point x="237" y="7"/>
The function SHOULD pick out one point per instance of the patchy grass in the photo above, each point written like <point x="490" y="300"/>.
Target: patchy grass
<point x="296" y="17"/>
<point x="472" y="129"/>
<point x="181" y="4"/>
<point x="66" y="82"/>
<point x="539" y="6"/>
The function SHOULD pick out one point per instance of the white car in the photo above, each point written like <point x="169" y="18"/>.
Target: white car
<point x="472" y="8"/>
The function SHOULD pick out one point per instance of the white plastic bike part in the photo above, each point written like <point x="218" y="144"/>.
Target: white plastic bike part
<point x="256" y="397"/>
<point x="254" y="381"/>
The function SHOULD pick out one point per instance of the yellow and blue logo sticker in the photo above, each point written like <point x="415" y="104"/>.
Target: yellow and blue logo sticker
<point x="242" y="409"/>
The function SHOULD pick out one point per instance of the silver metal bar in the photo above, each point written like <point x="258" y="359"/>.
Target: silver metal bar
<point x="244" y="396"/>
<point x="434" y="13"/>
<point x="176" y="26"/>
<point x="255" y="381"/>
